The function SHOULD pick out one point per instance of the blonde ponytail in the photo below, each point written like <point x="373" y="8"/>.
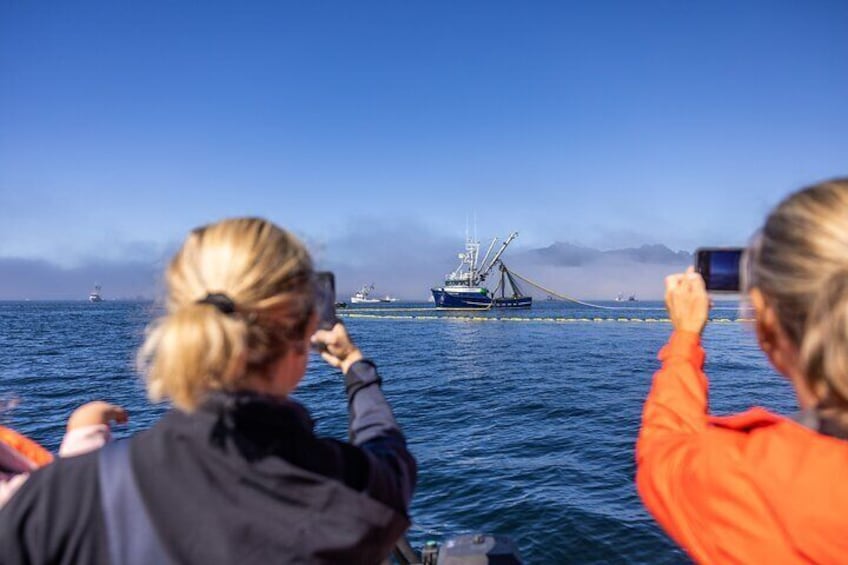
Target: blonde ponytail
<point x="824" y="347"/>
<point x="799" y="261"/>
<point x="264" y="273"/>
<point x="194" y="350"/>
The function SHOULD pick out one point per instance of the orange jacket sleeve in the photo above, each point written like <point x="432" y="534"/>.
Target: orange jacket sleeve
<point x="693" y="477"/>
<point x="26" y="447"/>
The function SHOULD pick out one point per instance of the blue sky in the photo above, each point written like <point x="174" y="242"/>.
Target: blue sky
<point x="123" y="125"/>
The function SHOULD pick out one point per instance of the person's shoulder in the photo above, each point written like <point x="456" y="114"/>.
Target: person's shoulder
<point x="77" y="467"/>
<point x="57" y="483"/>
<point x="56" y="511"/>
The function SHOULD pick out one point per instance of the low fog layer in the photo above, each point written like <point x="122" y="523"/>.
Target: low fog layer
<point x="29" y="279"/>
<point x="401" y="259"/>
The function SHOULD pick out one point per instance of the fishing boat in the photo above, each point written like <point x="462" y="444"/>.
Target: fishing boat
<point x="361" y="296"/>
<point x="94" y="295"/>
<point x="465" y="287"/>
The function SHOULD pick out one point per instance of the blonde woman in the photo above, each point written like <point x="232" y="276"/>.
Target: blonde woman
<point x="757" y="487"/>
<point x="234" y="473"/>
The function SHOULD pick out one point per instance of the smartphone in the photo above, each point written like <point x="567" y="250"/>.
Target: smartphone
<point x="325" y="299"/>
<point x="720" y="267"/>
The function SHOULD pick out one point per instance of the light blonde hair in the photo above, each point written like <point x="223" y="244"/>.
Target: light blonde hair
<point x="196" y="347"/>
<point x="799" y="262"/>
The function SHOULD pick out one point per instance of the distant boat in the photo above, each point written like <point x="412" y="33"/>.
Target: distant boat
<point x="361" y="296"/>
<point x="94" y="295"/>
<point x="620" y="298"/>
<point x="388" y="298"/>
<point x="464" y="287"/>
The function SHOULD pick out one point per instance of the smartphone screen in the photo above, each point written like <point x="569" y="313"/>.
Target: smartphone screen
<point x="325" y="299"/>
<point x="720" y="268"/>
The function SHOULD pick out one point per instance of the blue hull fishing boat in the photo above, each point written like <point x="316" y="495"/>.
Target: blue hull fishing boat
<point x="464" y="288"/>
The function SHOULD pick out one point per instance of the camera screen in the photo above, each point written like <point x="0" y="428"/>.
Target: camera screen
<point x="325" y="300"/>
<point x="720" y="268"/>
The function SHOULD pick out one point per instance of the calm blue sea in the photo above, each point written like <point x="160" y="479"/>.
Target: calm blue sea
<point x="523" y="423"/>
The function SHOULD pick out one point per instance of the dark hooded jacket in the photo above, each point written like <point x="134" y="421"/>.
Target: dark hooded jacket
<point x="241" y="480"/>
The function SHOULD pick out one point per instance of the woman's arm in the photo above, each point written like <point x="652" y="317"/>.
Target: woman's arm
<point x="89" y="427"/>
<point x="392" y="470"/>
<point x="677" y="403"/>
<point x="675" y="413"/>
<point x="696" y="479"/>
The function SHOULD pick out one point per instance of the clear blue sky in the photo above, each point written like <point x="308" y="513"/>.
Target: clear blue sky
<point x="123" y="124"/>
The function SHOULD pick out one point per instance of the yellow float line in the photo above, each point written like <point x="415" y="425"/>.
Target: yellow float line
<point x="557" y="320"/>
<point x="394" y="309"/>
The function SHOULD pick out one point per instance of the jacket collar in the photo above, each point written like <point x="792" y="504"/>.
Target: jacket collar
<point x="257" y="425"/>
<point x="816" y="420"/>
<point x="760" y="417"/>
<point x="273" y="407"/>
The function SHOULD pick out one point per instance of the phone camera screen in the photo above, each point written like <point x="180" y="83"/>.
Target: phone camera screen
<point x="720" y="269"/>
<point x="325" y="300"/>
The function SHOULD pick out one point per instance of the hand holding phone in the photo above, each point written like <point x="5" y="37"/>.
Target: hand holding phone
<point x="687" y="301"/>
<point x="336" y="347"/>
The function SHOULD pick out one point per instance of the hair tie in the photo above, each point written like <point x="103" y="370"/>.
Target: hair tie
<point x="220" y="301"/>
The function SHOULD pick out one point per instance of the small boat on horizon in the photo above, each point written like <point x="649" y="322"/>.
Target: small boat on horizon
<point x="94" y="295"/>
<point x="361" y="295"/>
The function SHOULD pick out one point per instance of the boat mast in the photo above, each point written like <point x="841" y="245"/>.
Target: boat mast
<point x="473" y="251"/>
<point x="470" y="256"/>
<point x="484" y="273"/>
<point x="486" y="256"/>
<point x="503" y="281"/>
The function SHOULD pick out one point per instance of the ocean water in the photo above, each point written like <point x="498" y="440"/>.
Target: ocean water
<point x="523" y="422"/>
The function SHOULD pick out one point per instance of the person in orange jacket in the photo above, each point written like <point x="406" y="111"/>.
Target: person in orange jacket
<point x="757" y="487"/>
<point x="87" y="429"/>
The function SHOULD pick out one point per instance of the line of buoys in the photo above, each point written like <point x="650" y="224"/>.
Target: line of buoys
<point x="369" y="309"/>
<point x="555" y="320"/>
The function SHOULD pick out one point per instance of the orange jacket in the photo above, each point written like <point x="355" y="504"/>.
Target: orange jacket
<point x="26" y="447"/>
<point x="750" y="488"/>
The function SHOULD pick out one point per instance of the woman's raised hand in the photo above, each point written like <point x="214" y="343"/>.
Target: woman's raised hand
<point x="687" y="301"/>
<point x="97" y="412"/>
<point x="338" y="350"/>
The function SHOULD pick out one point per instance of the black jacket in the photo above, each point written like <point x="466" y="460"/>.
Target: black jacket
<point x="242" y="480"/>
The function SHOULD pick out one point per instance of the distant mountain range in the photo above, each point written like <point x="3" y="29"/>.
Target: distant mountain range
<point x="571" y="255"/>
